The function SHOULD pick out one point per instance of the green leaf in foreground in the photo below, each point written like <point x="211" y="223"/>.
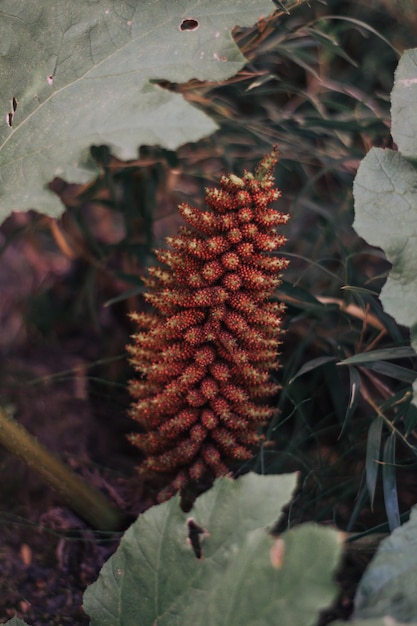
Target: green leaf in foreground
<point x="15" y="621"/>
<point x="155" y="578"/>
<point x="78" y="73"/>
<point x="388" y="586"/>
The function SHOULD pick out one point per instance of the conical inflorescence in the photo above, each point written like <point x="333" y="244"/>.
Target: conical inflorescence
<point x="205" y="354"/>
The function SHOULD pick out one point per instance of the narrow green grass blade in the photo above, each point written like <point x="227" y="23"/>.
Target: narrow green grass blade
<point x="390" y="483"/>
<point x="373" y="452"/>
<point x="385" y="354"/>
<point x="355" y="391"/>
<point x="393" y="371"/>
<point x="312" y="365"/>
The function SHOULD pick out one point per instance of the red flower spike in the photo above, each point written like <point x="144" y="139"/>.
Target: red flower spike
<point x="197" y="470"/>
<point x="232" y="282"/>
<point x="209" y="388"/>
<point x="208" y="419"/>
<point x="220" y="371"/>
<point x="230" y="260"/>
<point x="196" y="398"/>
<point x="205" y="354"/>
<point x="180" y="423"/>
<point x="234" y="236"/>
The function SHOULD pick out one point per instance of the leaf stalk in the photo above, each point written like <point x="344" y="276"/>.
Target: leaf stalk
<point x="86" y="501"/>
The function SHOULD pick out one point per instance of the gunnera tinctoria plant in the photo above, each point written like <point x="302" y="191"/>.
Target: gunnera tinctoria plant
<point x="205" y="354"/>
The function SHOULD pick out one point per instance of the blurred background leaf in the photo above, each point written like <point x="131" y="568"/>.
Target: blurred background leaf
<point x="74" y="75"/>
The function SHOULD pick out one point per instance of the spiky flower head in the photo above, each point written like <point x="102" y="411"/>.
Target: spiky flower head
<point x="206" y="352"/>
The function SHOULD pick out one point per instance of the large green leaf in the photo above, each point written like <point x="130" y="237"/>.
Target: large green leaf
<point x="385" y="193"/>
<point x="388" y="586"/>
<point x="15" y="621"/>
<point x="155" y="578"/>
<point x="78" y="73"/>
<point x="382" y="621"/>
<point x="403" y="104"/>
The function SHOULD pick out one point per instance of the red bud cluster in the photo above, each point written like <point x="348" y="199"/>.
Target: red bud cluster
<point x="205" y="355"/>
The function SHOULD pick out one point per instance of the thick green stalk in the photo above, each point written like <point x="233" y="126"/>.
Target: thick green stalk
<point x="87" y="502"/>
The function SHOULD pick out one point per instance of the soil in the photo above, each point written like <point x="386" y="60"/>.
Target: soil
<point x="48" y="554"/>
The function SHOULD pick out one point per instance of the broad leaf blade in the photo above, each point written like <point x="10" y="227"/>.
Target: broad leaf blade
<point x="79" y="73"/>
<point x="250" y="591"/>
<point x="403" y="104"/>
<point x="385" y="191"/>
<point x="388" y="586"/>
<point x="154" y="576"/>
<point x="155" y="566"/>
<point x="382" y="621"/>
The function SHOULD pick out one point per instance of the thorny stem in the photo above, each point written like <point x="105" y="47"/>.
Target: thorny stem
<point x="87" y="502"/>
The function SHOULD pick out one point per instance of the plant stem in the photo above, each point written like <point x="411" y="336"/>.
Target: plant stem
<point x="87" y="502"/>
